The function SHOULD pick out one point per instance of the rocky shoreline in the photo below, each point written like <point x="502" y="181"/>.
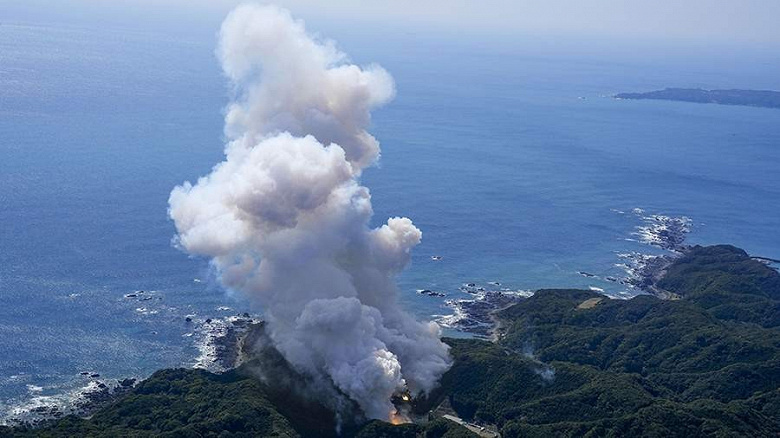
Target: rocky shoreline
<point x="221" y="345"/>
<point x="643" y="271"/>
<point x="223" y="342"/>
<point x="475" y="315"/>
<point x="81" y="402"/>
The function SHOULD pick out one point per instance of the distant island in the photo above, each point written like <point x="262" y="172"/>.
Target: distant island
<point x="757" y="98"/>
<point x="704" y="361"/>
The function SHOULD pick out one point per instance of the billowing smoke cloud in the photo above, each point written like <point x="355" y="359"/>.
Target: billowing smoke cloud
<point x="285" y="220"/>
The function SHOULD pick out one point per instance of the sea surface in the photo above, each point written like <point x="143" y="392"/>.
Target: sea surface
<point x="510" y="156"/>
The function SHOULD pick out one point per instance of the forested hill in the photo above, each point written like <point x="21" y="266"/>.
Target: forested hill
<point x="568" y="363"/>
<point x="573" y="363"/>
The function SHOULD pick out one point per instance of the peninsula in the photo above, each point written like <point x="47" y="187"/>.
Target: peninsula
<point x="563" y="363"/>
<point x="757" y="98"/>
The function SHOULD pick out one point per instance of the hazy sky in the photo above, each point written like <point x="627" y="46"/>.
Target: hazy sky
<point x="697" y="19"/>
<point x="738" y="21"/>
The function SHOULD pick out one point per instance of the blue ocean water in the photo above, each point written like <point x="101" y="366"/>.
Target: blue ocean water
<point x="511" y="159"/>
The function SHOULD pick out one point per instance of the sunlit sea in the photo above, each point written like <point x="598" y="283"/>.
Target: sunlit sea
<point x="514" y="161"/>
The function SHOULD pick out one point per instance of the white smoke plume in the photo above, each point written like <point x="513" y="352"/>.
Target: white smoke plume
<point x="285" y="221"/>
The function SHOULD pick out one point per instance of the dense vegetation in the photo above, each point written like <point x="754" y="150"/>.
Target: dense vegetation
<point x="760" y="98"/>
<point x="182" y="403"/>
<point x="196" y="403"/>
<point x="707" y="364"/>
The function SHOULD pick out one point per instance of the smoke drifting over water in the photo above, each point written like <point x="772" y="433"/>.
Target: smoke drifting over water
<point x="285" y="221"/>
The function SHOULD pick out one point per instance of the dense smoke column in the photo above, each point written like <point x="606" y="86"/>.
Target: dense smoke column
<point x="285" y="221"/>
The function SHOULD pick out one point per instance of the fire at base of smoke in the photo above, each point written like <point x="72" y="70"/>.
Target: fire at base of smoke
<point x="285" y="220"/>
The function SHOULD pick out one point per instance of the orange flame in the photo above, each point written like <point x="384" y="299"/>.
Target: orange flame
<point x="398" y="418"/>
